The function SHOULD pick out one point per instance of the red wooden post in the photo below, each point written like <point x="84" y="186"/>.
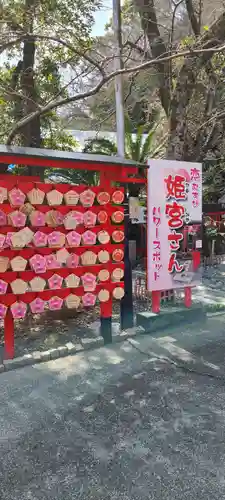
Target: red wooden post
<point x="187" y="296"/>
<point x="156" y="297"/>
<point x="196" y="256"/>
<point x="106" y="321"/>
<point x="9" y="335"/>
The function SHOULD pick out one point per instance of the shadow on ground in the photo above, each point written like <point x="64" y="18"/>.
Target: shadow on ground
<point x="112" y="424"/>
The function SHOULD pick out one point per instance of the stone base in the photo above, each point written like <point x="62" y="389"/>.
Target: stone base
<point x="168" y="317"/>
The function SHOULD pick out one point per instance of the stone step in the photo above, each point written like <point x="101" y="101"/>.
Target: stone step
<point x="171" y="316"/>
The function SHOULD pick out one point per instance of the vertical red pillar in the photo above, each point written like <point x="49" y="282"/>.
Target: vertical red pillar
<point x="156" y="298"/>
<point x="196" y="256"/>
<point x="187" y="296"/>
<point x="106" y="321"/>
<point x="8" y="335"/>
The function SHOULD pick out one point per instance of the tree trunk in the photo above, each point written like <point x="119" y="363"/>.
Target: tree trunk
<point x="31" y="133"/>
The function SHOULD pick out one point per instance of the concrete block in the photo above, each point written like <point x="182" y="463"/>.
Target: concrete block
<point x="8" y="364"/>
<point x="72" y="348"/>
<point x="92" y="343"/>
<point x="37" y="358"/>
<point x="54" y="353"/>
<point x="12" y="364"/>
<point x="45" y="356"/>
<point x="2" y="368"/>
<point x="62" y="350"/>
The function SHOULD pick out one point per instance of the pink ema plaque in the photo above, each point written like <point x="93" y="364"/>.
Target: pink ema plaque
<point x="2" y="240"/>
<point x="55" y="282"/>
<point x="89" y="281"/>
<point x="40" y="239"/>
<point x="37" y="306"/>
<point x="3" y="287"/>
<point x="55" y="303"/>
<point x="38" y="263"/>
<point x="8" y="240"/>
<point x="18" y="310"/>
<point x="18" y="219"/>
<point x="2" y="218"/>
<point x="73" y="239"/>
<point x="90" y="218"/>
<point x="89" y="238"/>
<point x="72" y="261"/>
<point x="89" y="299"/>
<point x="16" y="197"/>
<point x="52" y="262"/>
<point x="3" y="310"/>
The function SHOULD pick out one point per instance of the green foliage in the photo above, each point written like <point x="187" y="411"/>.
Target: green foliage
<point x="65" y="20"/>
<point x="213" y="180"/>
<point x="100" y="146"/>
<point x="138" y="147"/>
<point x="72" y="176"/>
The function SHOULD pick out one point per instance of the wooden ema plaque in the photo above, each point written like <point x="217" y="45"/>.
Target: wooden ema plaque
<point x="67" y="250"/>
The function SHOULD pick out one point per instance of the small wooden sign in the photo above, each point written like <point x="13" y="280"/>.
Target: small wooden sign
<point x="62" y="255"/>
<point x="88" y="258"/>
<point x="54" y="197"/>
<point x="17" y="263"/>
<point x="71" y="197"/>
<point x="37" y="284"/>
<point x="103" y="295"/>
<point x="36" y="196"/>
<point x="103" y="237"/>
<point x="118" y="255"/>
<point x="103" y="275"/>
<point x="3" y="194"/>
<point x="117" y="274"/>
<point x="103" y="256"/>
<point x="19" y="286"/>
<point x="103" y="198"/>
<point x="87" y="198"/>
<point x="118" y="293"/>
<point x="72" y="301"/>
<point x="102" y="217"/>
<point x="72" y="281"/>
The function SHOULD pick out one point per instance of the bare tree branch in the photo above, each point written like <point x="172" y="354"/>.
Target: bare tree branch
<point x="7" y="45"/>
<point x="56" y="103"/>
